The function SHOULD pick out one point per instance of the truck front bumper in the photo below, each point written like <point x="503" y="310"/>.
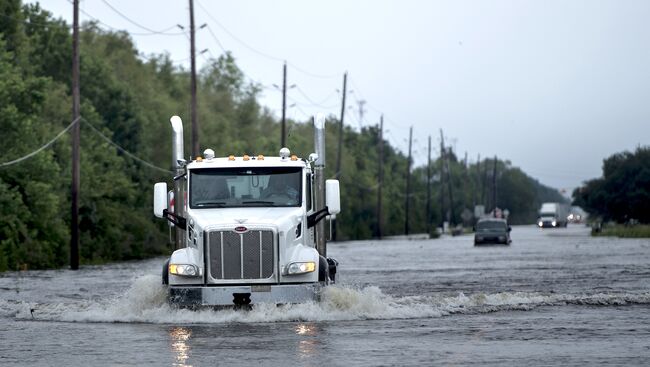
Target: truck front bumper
<point x="196" y="296"/>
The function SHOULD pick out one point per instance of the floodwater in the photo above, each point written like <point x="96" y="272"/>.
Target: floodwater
<point x="553" y="297"/>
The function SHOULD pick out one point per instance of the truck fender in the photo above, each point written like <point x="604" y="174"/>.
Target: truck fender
<point x="165" y="273"/>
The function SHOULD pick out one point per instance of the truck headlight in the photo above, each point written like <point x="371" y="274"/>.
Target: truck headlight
<point x="185" y="270"/>
<point x="540" y="223"/>
<point x="300" y="268"/>
<point x="553" y="223"/>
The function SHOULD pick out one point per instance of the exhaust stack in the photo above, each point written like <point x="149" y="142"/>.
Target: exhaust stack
<point x="319" y="180"/>
<point x="178" y="164"/>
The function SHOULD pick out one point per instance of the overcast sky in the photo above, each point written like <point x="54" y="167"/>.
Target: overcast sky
<point x="553" y="86"/>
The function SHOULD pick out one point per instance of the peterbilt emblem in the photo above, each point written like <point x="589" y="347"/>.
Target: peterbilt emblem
<point x="240" y="221"/>
<point x="241" y="229"/>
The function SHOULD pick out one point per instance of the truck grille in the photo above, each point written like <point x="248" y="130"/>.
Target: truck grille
<point x="246" y="255"/>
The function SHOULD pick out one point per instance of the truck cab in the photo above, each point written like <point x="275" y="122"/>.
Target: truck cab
<point x="248" y="231"/>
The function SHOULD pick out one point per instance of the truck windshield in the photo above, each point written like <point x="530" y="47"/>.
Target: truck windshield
<point x="547" y="215"/>
<point x="245" y="187"/>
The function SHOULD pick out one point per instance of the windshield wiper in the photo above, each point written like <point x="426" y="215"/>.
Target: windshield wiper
<point x="217" y="204"/>
<point x="262" y="202"/>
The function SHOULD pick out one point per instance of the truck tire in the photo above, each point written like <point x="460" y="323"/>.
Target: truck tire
<point x="165" y="273"/>
<point x="323" y="270"/>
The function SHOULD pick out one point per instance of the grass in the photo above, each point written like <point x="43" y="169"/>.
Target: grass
<point x="619" y="230"/>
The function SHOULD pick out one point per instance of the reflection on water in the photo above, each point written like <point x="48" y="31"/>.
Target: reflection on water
<point x="306" y="329"/>
<point x="308" y="346"/>
<point x="180" y="346"/>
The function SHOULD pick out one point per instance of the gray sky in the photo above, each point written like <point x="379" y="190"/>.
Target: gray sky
<point x="553" y="86"/>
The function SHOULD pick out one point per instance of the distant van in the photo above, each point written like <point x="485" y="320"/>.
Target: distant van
<point x="492" y="230"/>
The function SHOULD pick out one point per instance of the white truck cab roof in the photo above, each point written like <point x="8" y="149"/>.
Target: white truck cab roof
<point x="247" y="161"/>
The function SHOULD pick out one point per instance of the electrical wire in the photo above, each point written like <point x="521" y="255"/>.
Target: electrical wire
<point x="261" y="53"/>
<point x="115" y="29"/>
<point x="129" y="154"/>
<point x="152" y="31"/>
<point x="18" y="160"/>
<point x="311" y="101"/>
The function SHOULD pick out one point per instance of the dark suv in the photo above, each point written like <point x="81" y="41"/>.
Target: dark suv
<point x="492" y="230"/>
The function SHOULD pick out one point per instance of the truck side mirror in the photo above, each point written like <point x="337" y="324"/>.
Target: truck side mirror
<point x="159" y="198"/>
<point x="332" y="197"/>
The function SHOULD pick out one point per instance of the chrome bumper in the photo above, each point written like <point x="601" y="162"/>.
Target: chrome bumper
<point x="196" y="296"/>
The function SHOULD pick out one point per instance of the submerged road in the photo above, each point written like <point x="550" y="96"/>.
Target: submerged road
<point x="553" y="297"/>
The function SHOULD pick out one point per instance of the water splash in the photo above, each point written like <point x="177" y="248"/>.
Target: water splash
<point x="145" y="301"/>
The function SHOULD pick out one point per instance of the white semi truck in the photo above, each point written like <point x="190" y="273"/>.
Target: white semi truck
<point x="553" y="215"/>
<point x="248" y="228"/>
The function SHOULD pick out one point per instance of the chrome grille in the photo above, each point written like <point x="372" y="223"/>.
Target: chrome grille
<point x="246" y="255"/>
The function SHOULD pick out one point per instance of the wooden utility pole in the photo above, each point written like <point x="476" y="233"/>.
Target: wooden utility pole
<point x="484" y="184"/>
<point x="449" y="184"/>
<point x="283" y="138"/>
<point x="74" y="220"/>
<point x="408" y="183"/>
<point x="477" y="183"/>
<point x="494" y="183"/>
<point x="380" y="177"/>
<point x="428" y="211"/>
<point x="195" y="120"/>
<point x="443" y="212"/>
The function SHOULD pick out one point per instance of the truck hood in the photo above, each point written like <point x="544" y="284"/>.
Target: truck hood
<point x="267" y="216"/>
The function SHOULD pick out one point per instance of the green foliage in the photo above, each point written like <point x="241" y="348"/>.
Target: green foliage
<point x="624" y="231"/>
<point x="130" y="101"/>
<point x="623" y="193"/>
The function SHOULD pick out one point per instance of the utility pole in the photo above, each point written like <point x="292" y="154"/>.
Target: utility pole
<point x="340" y="147"/>
<point x="283" y="139"/>
<point x="429" y="188"/>
<point x="195" y="120"/>
<point x="380" y="177"/>
<point x="443" y="212"/>
<point x="408" y="183"/>
<point x="494" y="183"/>
<point x="477" y="183"/>
<point x="362" y="112"/>
<point x="449" y="185"/>
<point x="74" y="221"/>
<point x="484" y="184"/>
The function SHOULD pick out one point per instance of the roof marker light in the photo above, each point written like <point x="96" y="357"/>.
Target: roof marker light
<point x="294" y="157"/>
<point x="246" y="157"/>
<point x="260" y="157"/>
<point x="208" y="154"/>
<point x="285" y="153"/>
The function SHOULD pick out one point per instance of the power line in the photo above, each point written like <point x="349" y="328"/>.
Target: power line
<point x="237" y="38"/>
<point x="214" y="36"/>
<point x="261" y="53"/>
<point x="18" y="160"/>
<point x="316" y="104"/>
<point x="140" y="25"/>
<point x="115" y="29"/>
<point x="131" y="155"/>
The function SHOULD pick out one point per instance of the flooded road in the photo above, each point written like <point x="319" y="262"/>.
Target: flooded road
<point x="553" y="297"/>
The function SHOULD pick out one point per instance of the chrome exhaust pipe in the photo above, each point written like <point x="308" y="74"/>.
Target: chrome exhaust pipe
<point x="319" y="180"/>
<point x="178" y="164"/>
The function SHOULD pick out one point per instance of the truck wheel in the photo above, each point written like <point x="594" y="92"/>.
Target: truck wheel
<point x="165" y="273"/>
<point x="323" y="270"/>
